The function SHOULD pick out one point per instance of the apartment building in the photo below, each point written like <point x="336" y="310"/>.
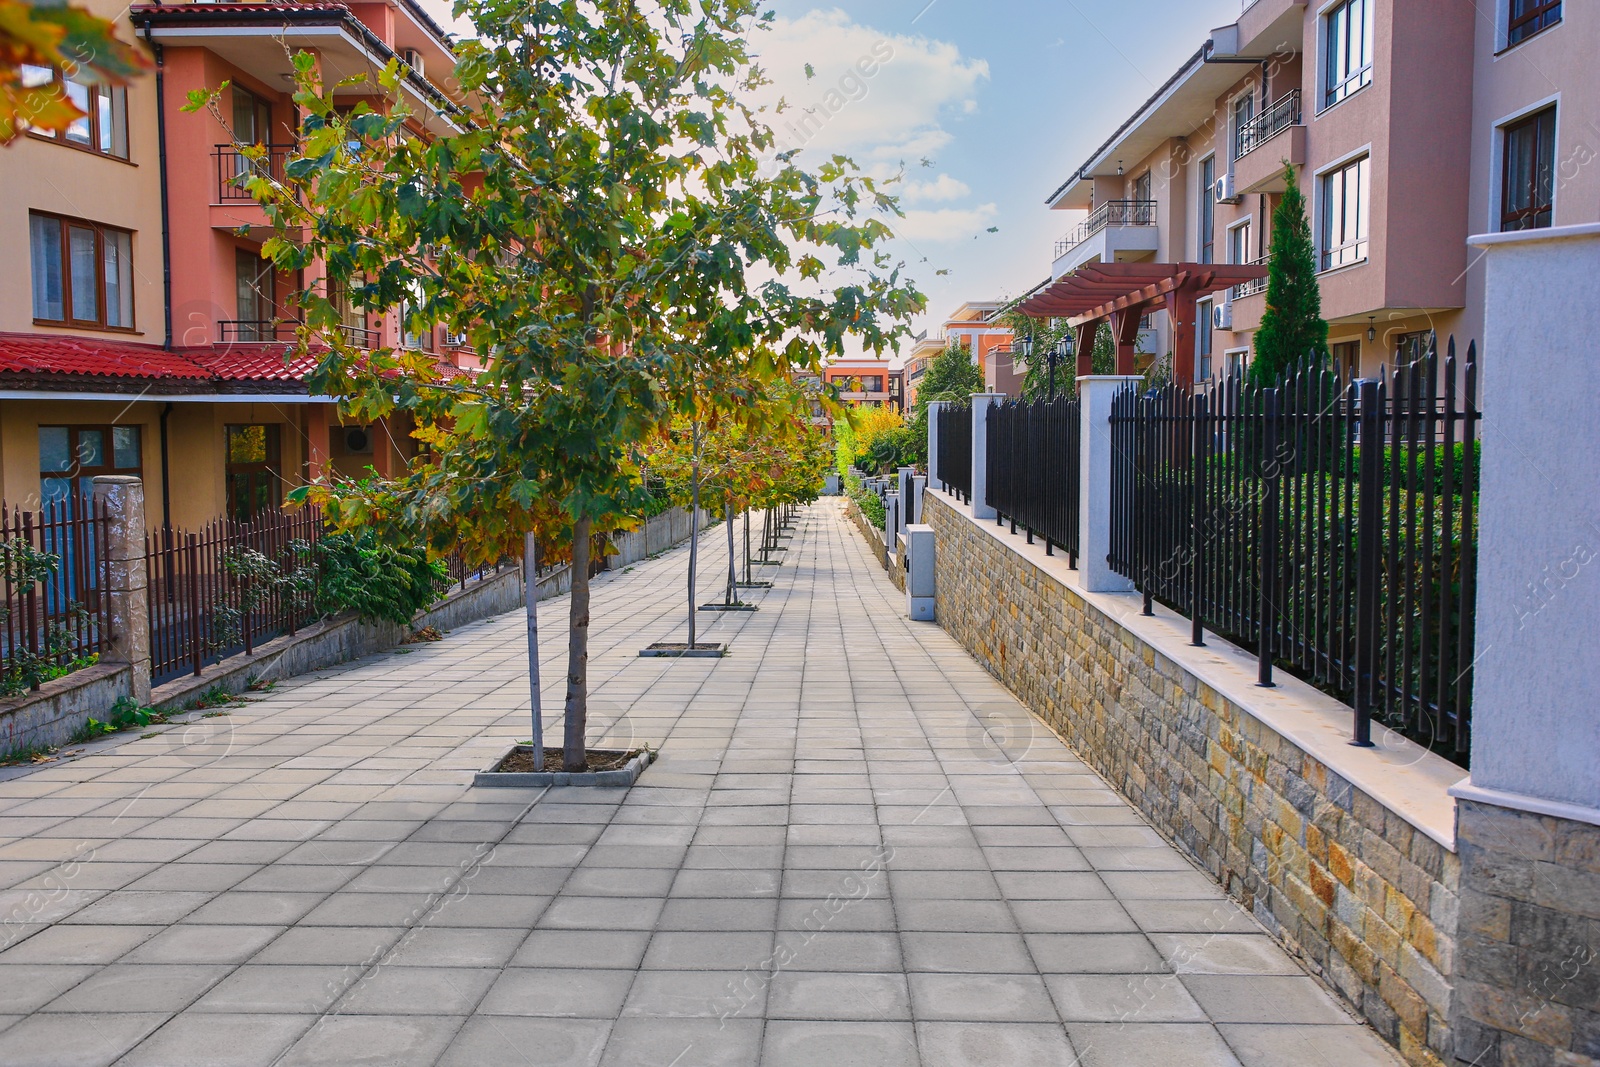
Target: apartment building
<point x="1411" y="126"/>
<point x="866" y="382"/>
<point x="150" y="337"/>
<point x="973" y="326"/>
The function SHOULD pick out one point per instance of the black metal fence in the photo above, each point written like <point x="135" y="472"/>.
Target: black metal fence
<point x="1032" y="464"/>
<point x="955" y="449"/>
<point x="54" y="615"/>
<point x="1330" y="525"/>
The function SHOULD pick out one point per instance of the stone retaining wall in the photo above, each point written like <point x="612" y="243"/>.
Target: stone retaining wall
<point x="1366" y="900"/>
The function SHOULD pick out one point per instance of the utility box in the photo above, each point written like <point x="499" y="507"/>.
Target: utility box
<point x="916" y="562"/>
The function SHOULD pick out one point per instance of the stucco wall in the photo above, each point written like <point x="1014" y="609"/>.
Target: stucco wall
<point x="1347" y="882"/>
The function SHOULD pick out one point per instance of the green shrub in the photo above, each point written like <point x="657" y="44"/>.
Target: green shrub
<point x="377" y="581"/>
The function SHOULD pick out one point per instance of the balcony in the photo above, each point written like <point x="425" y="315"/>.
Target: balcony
<point x="1116" y="226"/>
<point x="1265" y="144"/>
<point x="266" y="331"/>
<point x="1251" y="288"/>
<point x="233" y="168"/>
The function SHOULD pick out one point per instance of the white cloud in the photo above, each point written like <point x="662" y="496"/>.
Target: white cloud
<point x="943" y="187"/>
<point x="874" y="95"/>
<point x="945" y="224"/>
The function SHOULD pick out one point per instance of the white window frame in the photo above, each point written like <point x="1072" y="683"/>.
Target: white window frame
<point x="1497" y="159"/>
<point x="1317" y="206"/>
<point x="1502" y="29"/>
<point x="1233" y="227"/>
<point x="1208" y="195"/>
<point x="1204" y="329"/>
<point x="1324" y="14"/>
<point x="1228" y="354"/>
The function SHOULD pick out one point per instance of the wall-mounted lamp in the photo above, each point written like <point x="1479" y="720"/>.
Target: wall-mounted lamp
<point x="1119" y="168"/>
<point x="1372" y="332"/>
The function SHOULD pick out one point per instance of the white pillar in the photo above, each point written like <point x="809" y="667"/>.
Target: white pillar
<point x="934" y="407"/>
<point x="1535" y="689"/>
<point x="981" y="403"/>
<point x="918" y="484"/>
<point x="907" y="474"/>
<point x="1095" y="392"/>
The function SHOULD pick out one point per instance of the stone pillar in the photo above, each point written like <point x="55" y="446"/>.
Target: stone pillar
<point x="1527" y="962"/>
<point x="934" y="407"/>
<point x="981" y="403"/>
<point x="918" y="484"/>
<point x="1095" y="392"/>
<point x="907" y="475"/>
<point x="891" y="523"/>
<point x="126" y="582"/>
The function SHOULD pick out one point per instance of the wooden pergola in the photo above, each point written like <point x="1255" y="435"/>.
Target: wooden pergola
<point x="1122" y="293"/>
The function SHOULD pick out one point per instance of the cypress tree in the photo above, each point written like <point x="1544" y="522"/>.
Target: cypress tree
<point x="1292" y="328"/>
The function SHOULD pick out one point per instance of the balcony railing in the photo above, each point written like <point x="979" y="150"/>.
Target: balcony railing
<point x="1255" y="285"/>
<point x="233" y="168"/>
<point x="1285" y="112"/>
<point x="1111" y="213"/>
<point x="258" y="331"/>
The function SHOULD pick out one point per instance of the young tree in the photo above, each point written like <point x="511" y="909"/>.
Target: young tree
<point x="951" y="375"/>
<point x="589" y="226"/>
<point x="1292" y="329"/>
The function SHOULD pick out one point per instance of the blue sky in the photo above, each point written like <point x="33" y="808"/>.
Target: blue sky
<point x="1003" y="97"/>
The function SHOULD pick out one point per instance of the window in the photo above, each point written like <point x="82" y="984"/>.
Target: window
<point x="872" y="383"/>
<point x="252" y="118"/>
<point x="1347" y="360"/>
<point x="253" y="286"/>
<point x="1237" y="361"/>
<point x="1202" y="340"/>
<point x="1141" y="187"/>
<point x="1347" y="50"/>
<point x="1528" y="17"/>
<point x="1240" y="248"/>
<point x="1344" y="215"/>
<point x="1527" y="173"/>
<point x="1244" y="112"/>
<point x="1208" y="210"/>
<point x="75" y="454"/>
<point x="104" y="125"/>
<point x="252" y="470"/>
<point x="82" y="272"/>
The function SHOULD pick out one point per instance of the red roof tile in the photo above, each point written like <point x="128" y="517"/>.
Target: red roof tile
<point x="252" y="362"/>
<point x="52" y="354"/>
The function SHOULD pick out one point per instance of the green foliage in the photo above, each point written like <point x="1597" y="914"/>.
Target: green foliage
<point x="23" y="565"/>
<point x="1292" y="329"/>
<point x="375" y="579"/>
<point x="125" y="714"/>
<point x="951" y="376"/>
<point x="1414" y="465"/>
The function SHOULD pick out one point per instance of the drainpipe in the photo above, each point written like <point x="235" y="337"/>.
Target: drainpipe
<point x="166" y="232"/>
<point x="166" y="475"/>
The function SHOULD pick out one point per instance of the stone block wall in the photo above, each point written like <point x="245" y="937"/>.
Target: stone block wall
<point x="1367" y="901"/>
<point x="1528" y="961"/>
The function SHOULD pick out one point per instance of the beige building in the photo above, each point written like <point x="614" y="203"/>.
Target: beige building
<point x="1411" y="127"/>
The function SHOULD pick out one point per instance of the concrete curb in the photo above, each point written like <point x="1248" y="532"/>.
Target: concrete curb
<point x="622" y="776"/>
<point x="684" y="653"/>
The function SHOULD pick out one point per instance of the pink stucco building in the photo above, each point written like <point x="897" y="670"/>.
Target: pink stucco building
<point x="1411" y="126"/>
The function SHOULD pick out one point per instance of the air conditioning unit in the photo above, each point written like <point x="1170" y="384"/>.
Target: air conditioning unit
<point x="413" y="59"/>
<point x="455" y="340"/>
<point x="357" y="441"/>
<point x="1222" y="316"/>
<point x="1225" y="191"/>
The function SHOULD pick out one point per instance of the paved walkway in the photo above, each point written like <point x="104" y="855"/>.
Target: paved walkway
<point x="856" y="848"/>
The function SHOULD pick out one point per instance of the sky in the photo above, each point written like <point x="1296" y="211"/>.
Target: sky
<point x="984" y="106"/>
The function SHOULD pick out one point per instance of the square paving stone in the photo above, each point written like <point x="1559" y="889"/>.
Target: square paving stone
<point x="203" y="944"/>
<point x="692" y="913"/>
<point x="1124" y="998"/>
<point x="1190" y="916"/>
<point x="277" y="989"/>
<point x="583" y="948"/>
<point x="572" y="993"/>
<point x="945" y="1044"/>
<point x="687" y="951"/>
<point x="1175" y="1044"/>
<point x="702" y="1042"/>
<point x="1094" y="953"/>
<point x="838" y="995"/>
<point x="352" y="945"/>
<point x="1224" y="954"/>
<point x="78" y="944"/>
<point x="417" y="991"/>
<point x="26" y="987"/>
<point x="837" y="950"/>
<point x="1074" y="917"/>
<point x="1254" y="998"/>
<point x="255" y="909"/>
<point x="620" y="882"/>
<point x="697" y="994"/>
<point x="1268" y="1046"/>
<point x="86" y="1040"/>
<point x="839" y="1044"/>
<point x="600" y="913"/>
<point x="216" y="1040"/>
<point x="1017" y="998"/>
<point x="956" y="916"/>
<point x="149" y="987"/>
<point x="379" y="1040"/>
<point x="442" y="946"/>
<point x="966" y="953"/>
<point x="836" y="914"/>
<point x="125" y="906"/>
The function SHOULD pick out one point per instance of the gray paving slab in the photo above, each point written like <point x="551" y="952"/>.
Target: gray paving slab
<point x="833" y="862"/>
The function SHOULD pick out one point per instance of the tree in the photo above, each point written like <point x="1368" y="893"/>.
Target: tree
<point x="951" y="376"/>
<point x="1292" y="329"/>
<point x="1045" y="334"/>
<point x="64" y="38"/>
<point x="590" y="228"/>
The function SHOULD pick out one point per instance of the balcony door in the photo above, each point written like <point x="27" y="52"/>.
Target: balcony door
<point x="255" y="304"/>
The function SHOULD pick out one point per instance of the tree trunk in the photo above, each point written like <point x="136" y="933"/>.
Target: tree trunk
<point x="575" y="755"/>
<point x="694" y="527"/>
<point x="747" y="578"/>
<point x="733" y="570"/>
<point x="530" y="577"/>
